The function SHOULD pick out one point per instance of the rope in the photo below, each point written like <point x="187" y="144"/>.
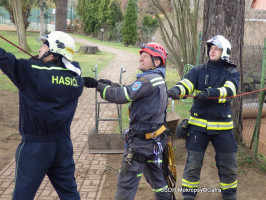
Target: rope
<point x="227" y="97"/>
<point x="16" y="46"/>
<point x="169" y="175"/>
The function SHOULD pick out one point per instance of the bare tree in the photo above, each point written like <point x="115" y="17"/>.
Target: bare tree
<point x="227" y="18"/>
<point x="61" y="15"/>
<point x="18" y="17"/>
<point x="179" y="29"/>
<point x="26" y="8"/>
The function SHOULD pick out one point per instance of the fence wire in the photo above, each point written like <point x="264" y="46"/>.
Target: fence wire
<point x="252" y="67"/>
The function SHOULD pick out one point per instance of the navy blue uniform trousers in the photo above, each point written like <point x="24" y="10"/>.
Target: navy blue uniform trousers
<point x="128" y="184"/>
<point x="225" y="147"/>
<point x="34" y="160"/>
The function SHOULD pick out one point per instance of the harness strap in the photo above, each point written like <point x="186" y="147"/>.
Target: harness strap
<point x="155" y="133"/>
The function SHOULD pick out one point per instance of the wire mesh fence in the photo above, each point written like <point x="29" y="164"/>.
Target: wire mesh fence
<point x="252" y="68"/>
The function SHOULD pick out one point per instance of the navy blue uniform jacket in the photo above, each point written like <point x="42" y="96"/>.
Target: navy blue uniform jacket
<point x="219" y="79"/>
<point x="48" y="96"/>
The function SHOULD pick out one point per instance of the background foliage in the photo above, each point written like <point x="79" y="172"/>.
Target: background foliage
<point x="129" y="29"/>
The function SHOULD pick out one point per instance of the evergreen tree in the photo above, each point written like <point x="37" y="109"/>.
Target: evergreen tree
<point x="114" y="20"/>
<point x="103" y="12"/>
<point x="129" y="29"/>
<point x="88" y="10"/>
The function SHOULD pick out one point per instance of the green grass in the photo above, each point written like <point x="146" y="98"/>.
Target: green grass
<point x="245" y="160"/>
<point x="5" y="83"/>
<point x="87" y="62"/>
<point x="12" y="36"/>
<point x="117" y="45"/>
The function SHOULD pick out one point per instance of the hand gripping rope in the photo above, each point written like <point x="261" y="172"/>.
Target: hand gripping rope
<point x="227" y="97"/>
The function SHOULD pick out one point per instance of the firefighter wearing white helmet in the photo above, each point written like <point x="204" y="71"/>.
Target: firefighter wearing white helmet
<point x="61" y="48"/>
<point x="214" y="83"/>
<point x="49" y="88"/>
<point x="60" y="43"/>
<point x="221" y="42"/>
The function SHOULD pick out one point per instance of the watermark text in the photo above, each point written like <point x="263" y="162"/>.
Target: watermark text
<point x="193" y="190"/>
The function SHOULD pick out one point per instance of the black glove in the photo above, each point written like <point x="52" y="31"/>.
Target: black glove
<point x="105" y="81"/>
<point x="90" y="82"/>
<point x="182" y="129"/>
<point x="174" y="94"/>
<point x="203" y="96"/>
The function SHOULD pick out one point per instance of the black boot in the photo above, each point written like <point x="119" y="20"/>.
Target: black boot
<point x="229" y="198"/>
<point x="189" y="197"/>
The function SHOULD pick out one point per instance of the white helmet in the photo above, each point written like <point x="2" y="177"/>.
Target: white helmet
<point x="59" y="43"/>
<point x="221" y="42"/>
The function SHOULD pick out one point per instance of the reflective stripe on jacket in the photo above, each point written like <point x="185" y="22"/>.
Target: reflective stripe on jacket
<point x="219" y="79"/>
<point x="148" y="99"/>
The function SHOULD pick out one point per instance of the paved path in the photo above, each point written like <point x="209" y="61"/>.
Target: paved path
<point x="89" y="167"/>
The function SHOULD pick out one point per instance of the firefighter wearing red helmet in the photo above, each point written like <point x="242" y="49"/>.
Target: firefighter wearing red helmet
<point x="155" y="50"/>
<point x="146" y="136"/>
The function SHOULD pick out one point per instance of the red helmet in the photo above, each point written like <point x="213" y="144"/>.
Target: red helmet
<point x="155" y="50"/>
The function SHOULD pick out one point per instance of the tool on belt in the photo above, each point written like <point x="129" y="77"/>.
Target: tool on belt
<point x="158" y="152"/>
<point x="128" y="161"/>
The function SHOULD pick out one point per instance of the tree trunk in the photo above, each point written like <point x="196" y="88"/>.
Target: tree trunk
<point x="21" y="32"/>
<point x="61" y="15"/>
<point x="227" y="18"/>
<point x="42" y="2"/>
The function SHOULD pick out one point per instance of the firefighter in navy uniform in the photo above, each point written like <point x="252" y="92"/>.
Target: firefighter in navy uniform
<point x="49" y="87"/>
<point x="146" y="138"/>
<point x="211" y="119"/>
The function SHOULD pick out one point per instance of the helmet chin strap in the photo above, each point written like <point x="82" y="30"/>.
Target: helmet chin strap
<point x="153" y="63"/>
<point x="44" y="55"/>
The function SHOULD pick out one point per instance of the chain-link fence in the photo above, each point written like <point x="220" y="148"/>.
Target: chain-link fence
<point x="252" y="67"/>
<point x="35" y="19"/>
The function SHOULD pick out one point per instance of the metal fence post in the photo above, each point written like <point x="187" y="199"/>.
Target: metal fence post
<point x="198" y="50"/>
<point x="261" y="99"/>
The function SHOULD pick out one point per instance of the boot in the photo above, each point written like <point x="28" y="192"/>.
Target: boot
<point x="189" y="197"/>
<point x="229" y="198"/>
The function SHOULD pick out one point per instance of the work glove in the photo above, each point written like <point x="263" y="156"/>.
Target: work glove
<point x="90" y="82"/>
<point x="108" y="82"/>
<point x="105" y="81"/>
<point x="174" y="94"/>
<point x="182" y="130"/>
<point x="203" y="96"/>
